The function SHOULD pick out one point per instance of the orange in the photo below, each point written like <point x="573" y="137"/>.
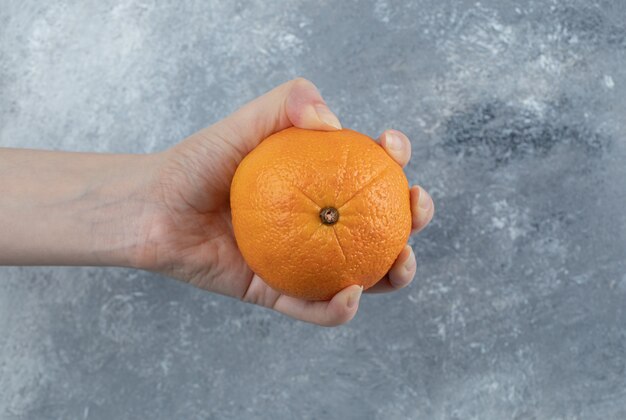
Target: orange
<point x="316" y="211"/>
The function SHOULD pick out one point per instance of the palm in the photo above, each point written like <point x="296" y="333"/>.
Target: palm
<point x="197" y="229"/>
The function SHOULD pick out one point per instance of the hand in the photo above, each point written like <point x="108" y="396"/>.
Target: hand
<point x="190" y="236"/>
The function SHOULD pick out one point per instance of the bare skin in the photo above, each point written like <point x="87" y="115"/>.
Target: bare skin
<point x="169" y="212"/>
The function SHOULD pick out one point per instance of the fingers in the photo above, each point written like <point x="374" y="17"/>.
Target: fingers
<point x="297" y="102"/>
<point x="339" y="310"/>
<point x="397" y="146"/>
<point x="400" y="275"/>
<point x="422" y="208"/>
<point x="305" y="107"/>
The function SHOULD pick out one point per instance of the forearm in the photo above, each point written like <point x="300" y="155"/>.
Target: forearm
<point x="59" y="208"/>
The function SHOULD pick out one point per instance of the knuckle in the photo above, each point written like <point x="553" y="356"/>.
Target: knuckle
<point x="301" y="84"/>
<point x="299" y="81"/>
<point x="329" y="323"/>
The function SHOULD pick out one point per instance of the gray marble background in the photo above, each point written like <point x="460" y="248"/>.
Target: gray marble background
<point x="516" y="111"/>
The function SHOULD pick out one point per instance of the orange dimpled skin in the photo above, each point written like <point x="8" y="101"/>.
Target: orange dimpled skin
<point x="317" y="211"/>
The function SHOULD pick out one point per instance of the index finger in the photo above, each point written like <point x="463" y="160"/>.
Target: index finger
<point x="397" y="146"/>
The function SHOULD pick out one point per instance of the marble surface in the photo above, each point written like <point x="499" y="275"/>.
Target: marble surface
<point x="516" y="111"/>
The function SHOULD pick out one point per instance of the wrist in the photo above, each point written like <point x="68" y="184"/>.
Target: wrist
<point x="125" y="206"/>
<point x="63" y="208"/>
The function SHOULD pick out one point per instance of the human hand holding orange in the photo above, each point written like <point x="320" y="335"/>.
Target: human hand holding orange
<point x="169" y="212"/>
<point x="192" y="237"/>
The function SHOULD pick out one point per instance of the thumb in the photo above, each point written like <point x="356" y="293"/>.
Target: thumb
<point x="295" y="103"/>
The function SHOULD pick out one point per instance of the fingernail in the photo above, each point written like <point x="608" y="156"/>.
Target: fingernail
<point x="393" y="141"/>
<point x="327" y="117"/>
<point x="410" y="263"/>
<point x="353" y="299"/>
<point x="424" y="201"/>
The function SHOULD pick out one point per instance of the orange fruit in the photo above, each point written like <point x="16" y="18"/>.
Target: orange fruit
<point x="314" y="212"/>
